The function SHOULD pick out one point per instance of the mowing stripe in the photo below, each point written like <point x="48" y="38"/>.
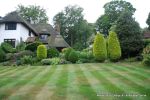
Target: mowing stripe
<point x="72" y="89"/>
<point x="136" y="77"/>
<point x="50" y="86"/>
<point x="135" y="87"/>
<point x="27" y="78"/>
<point x="9" y="79"/>
<point x="85" y="87"/>
<point x="10" y="71"/>
<point x="4" y="69"/>
<point x="95" y="83"/>
<point x="18" y="77"/>
<point x="131" y="70"/>
<point x="61" y="91"/>
<point x="8" y="91"/>
<point x="135" y="67"/>
<point x="114" y="79"/>
<point x="27" y="87"/>
<point x="40" y="83"/>
<point x="138" y="87"/>
<point x="108" y="85"/>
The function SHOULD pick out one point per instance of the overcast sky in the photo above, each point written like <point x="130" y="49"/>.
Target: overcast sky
<point x="92" y="8"/>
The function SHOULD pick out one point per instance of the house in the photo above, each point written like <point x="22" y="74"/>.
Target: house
<point x="14" y="29"/>
<point x="147" y="35"/>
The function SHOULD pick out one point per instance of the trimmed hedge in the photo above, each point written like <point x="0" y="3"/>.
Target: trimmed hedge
<point x="99" y="48"/>
<point x="114" y="49"/>
<point x="41" y="52"/>
<point x="73" y="56"/>
<point x="33" y="46"/>
<point x="52" y="52"/>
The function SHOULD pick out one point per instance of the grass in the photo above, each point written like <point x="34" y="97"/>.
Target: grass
<point x="98" y="81"/>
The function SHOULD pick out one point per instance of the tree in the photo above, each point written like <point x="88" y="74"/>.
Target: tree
<point x="99" y="48"/>
<point x="103" y="24"/>
<point x="113" y="10"/>
<point x="148" y="21"/>
<point x="33" y="14"/>
<point x="130" y="35"/>
<point x="73" y="27"/>
<point x="114" y="49"/>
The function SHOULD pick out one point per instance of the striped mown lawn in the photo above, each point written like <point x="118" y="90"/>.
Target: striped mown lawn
<point x="104" y="81"/>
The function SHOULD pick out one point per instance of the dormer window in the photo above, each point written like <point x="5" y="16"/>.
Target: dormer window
<point x="43" y="37"/>
<point x="10" y="26"/>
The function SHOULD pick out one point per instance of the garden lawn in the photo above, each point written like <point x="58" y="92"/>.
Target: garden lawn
<point x="104" y="81"/>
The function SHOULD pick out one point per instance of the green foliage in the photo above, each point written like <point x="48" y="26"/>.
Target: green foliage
<point x="63" y="61"/>
<point x="64" y="50"/>
<point x="74" y="27"/>
<point x="2" y="55"/>
<point x="23" y="53"/>
<point x="21" y="46"/>
<point x="7" y="48"/>
<point x="103" y="24"/>
<point x="55" y="61"/>
<point x="148" y="21"/>
<point x="27" y="60"/>
<point x="146" y="42"/>
<point x="34" y="14"/>
<point x="73" y="56"/>
<point x="46" y="61"/>
<point x="52" y="61"/>
<point x="146" y="60"/>
<point x="33" y="46"/>
<point x="52" y="52"/>
<point x="41" y="52"/>
<point x="99" y="48"/>
<point x="146" y="55"/>
<point x="113" y="10"/>
<point x="86" y="55"/>
<point x="10" y="56"/>
<point x="114" y="50"/>
<point x="67" y="52"/>
<point x="129" y="34"/>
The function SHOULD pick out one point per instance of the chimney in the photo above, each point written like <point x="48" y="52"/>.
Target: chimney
<point x="57" y="27"/>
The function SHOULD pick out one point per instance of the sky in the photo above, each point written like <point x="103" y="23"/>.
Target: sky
<point x="92" y="8"/>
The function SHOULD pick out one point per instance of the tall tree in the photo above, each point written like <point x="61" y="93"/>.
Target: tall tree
<point x="103" y="24"/>
<point x="148" y="21"/>
<point x="113" y="10"/>
<point x="129" y="34"/>
<point x="73" y="27"/>
<point x="33" y="14"/>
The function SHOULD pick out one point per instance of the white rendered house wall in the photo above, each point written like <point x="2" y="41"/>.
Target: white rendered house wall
<point x="21" y="33"/>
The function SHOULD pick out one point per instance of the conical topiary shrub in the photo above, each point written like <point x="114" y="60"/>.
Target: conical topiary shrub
<point x="114" y="49"/>
<point x="41" y="52"/>
<point x="99" y="48"/>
